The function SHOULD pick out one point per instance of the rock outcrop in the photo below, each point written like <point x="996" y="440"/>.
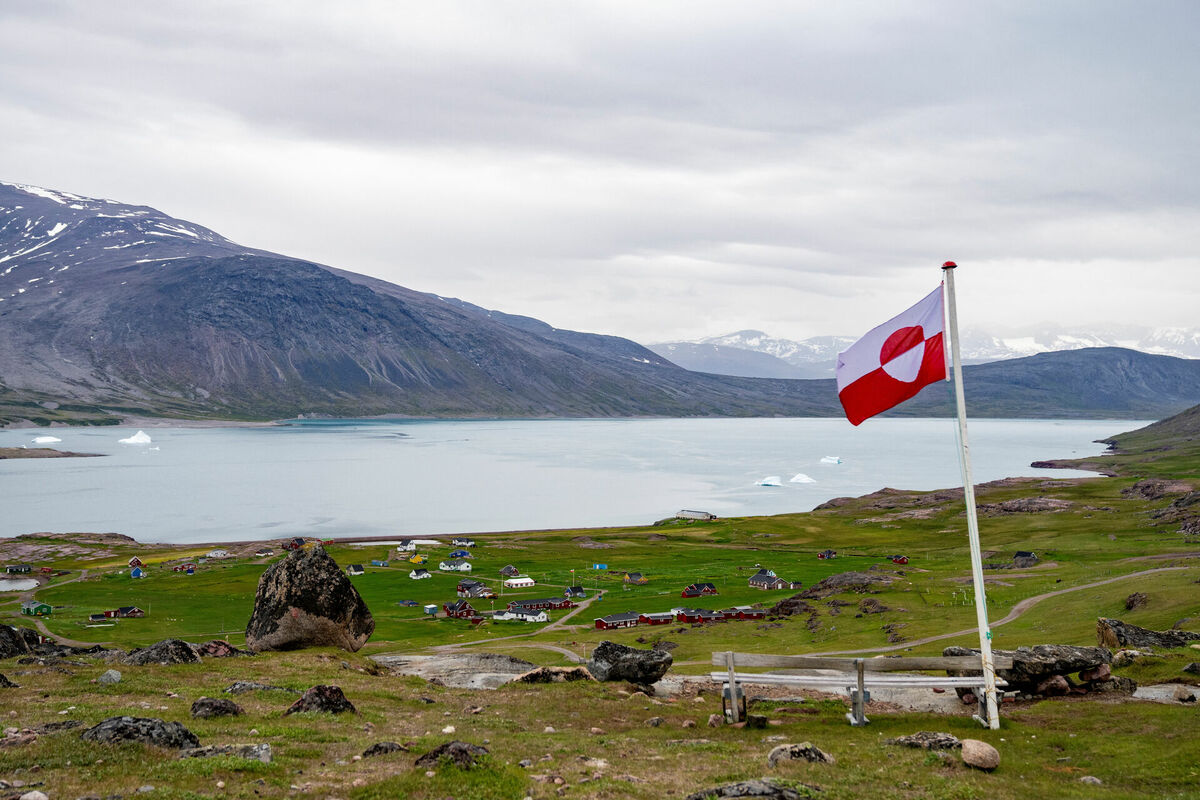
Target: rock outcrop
<point x="461" y="754"/>
<point x="116" y="730"/>
<point x="1035" y="669"/>
<point x="168" y="651"/>
<point x="846" y="582"/>
<point x="219" y="648"/>
<point x="208" y="707"/>
<point x="555" y="675"/>
<point x="255" y="752"/>
<point x="1117" y="634"/>
<point x="617" y="662"/>
<point x="305" y="601"/>
<point x="324" y="700"/>
<point x="12" y="643"/>
<point x="460" y="670"/>
<point x="765" y="788"/>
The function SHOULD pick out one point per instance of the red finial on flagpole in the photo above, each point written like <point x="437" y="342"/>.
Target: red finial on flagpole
<point x="949" y="265"/>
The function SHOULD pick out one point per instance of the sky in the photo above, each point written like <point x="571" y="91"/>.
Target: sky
<point x="660" y="171"/>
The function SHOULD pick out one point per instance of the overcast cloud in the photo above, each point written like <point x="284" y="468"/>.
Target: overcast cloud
<point x="660" y="170"/>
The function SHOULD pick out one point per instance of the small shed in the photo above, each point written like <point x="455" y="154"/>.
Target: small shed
<point x="36" y="608"/>
<point x="636" y="578"/>
<point x="431" y="610"/>
<point x="355" y="569"/>
<point x="898" y="559"/>
<point x="378" y="562"/>
<point x="419" y="573"/>
<point x="129" y="612"/>
<point x="137" y="572"/>
<point x="460" y="553"/>
<point x="462" y="541"/>
<point x="136" y="562"/>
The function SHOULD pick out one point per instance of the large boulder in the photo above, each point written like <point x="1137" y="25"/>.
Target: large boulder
<point x="323" y="700"/>
<point x="1117" y="634"/>
<point x="219" y="648"/>
<point x="12" y="643"/>
<point x="616" y="662"/>
<point x="116" y="730"/>
<point x="168" y="651"/>
<point x="1032" y="666"/>
<point x="305" y="601"/>
<point x="209" y="707"/>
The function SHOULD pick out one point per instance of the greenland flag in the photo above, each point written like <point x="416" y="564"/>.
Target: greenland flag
<point x="893" y="361"/>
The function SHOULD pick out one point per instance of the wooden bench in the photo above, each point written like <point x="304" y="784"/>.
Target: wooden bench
<point x="855" y="675"/>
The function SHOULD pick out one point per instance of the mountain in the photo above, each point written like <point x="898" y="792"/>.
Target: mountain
<point x="110" y="310"/>
<point x="729" y="354"/>
<point x="107" y="307"/>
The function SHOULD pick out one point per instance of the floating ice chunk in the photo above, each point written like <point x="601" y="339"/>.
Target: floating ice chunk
<point x="800" y="477"/>
<point x="770" y="480"/>
<point x="46" y="439"/>
<point x="831" y="460"/>
<point x="141" y="437"/>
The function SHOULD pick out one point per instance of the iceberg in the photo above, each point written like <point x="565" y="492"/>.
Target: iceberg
<point x="46" y="439"/>
<point x="831" y="460"/>
<point x="800" y="477"/>
<point x="770" y="480"/>
<point x="141" y="437"/>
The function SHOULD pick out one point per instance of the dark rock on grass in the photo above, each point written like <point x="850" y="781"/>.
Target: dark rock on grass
<point x="805" y="751"/>
<point x="1116" y="684"/>
<point x="617" y="662"/>
<point x="1155" y="488"/>
<point x="219" y="648"/>
<point x="383" y="749"/>
<point x="1192" y="669"/>
<point x="1136" y="600"/>
<point x="555" y="675"/>
<point x="5" y="683"/>
<point x="305" y="600"/>
<point x="11" y="643"/>
<point x="254" y="752"/>
<point x="756" y="721"/>
<point x="116" y="730"/>
<point x="1033" y="665"/>
<point x="845" y="582"/>
<point x="928" y="740"/>
<point x="460" y="754"/>
<point x="208" y="707"/>
<point x="322" y="699"/>
<point x="168" y="651"/>
<point x="791" y="606"/>
<point x="57" y="727"/>
<point x="1183" y="694"/>
<point x="765" y="788"/>
<point x="1114" y="633"/>
<point x="242" y="687"/>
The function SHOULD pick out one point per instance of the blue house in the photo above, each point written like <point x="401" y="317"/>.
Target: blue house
<point x="461" y="554"/>
<point x="378" y="562"/>
<point x="137" y="572"/>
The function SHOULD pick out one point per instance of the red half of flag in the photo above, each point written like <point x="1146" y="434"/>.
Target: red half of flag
<point x="893" y="361"/>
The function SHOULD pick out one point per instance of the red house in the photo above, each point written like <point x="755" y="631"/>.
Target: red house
<point x="136" y="562"/>
<point x="698" y="589"/>
<point x="750" y="613"/>
<point x="699" y="615"/>
<point x="824" y="554"/>
<point x="542" y="603"/>
<point x="459" y="609"/>
<point x="661" y="618"/>
<point x="626" y="619"/>
<point x="899" y="559"/>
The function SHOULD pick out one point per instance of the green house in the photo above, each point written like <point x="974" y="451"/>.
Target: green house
<point x="36" y="608"/>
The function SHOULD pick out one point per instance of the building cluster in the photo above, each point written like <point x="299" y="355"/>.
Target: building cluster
<point x="692" y="616"/>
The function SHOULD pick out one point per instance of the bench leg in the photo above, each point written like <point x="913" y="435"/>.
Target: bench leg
<point x="733" y="701"/>
<point x="858" y="699"/>
<point x="982" y="715"/>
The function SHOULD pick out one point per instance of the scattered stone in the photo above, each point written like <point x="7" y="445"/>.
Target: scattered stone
<point x="34" y="795"/>
<point x="109" y="677"/>
<point x="689" y="723"/>
<point x="1114" y="633"/>
<point x="1123" y="658"/>
<point x="1156" y="488"/>
<point x="1100" y="673"/>
<point x="617" y="662"/>
<point x="928" y="740"/>
<point x="5" y="683"/>
<point x="805" y="751"/>
<point x="860" y="582"/>
<point x="449" y="729"/>
<point x="525" y="763"/>
<point x="116" y="730"/>
<point x="655" y="722"/>
<point x="242" y="687"/>
<point x="1183" y="694"/>
<point x="765" y="788"/>
<point x="1054" y="686"/>
<point x="980" y="755"/>
<point x="253" y="752"/>
<point x="323" y="699"/>
<point x="219" y="648"/>
<point x="461" y="754"/>
<point x="715" y="720"/>
<point x="1136" y="600"/>
<point x="383" y="749"/>
<point x="549" y="729"/>
<point x="756" y="721"/>
<point x="208" y="707"/>
<point x="305" y="600"/>
<point x="168" y="651"/>
<point x="596" y="731"/>
<point x="1091" y="780"/>
<point x="555" y="675"/>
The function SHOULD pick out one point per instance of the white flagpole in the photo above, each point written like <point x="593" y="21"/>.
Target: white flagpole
<point x="985" y="632"/>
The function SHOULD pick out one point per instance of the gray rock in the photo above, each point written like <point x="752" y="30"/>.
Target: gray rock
<point x="928" y="740"/>
<point x="1100" y="673"/>
<point x="254" y="752"/>
<point x="1183" y="694"/>
<point x="1032" y="665"/>
<point x="757" y="721"/>
<point x="554" y="675"/>
<point x="1114" y="633"/>
<point x="109" y="677"/>
<point x="715" y="720"/>
<point x="12" y="643"/>
<point x="460" y="670"/>
<point x="209" y="707"/>
<point x="5" y="683"/>
<point x="1192" y="669"/>
<point x="980" y="755"/>
<point x="219" y="648"/>
<point x="461" y="754"/>
<point x="805" y="751"/>
<point x="168" y="651"/>
<point x="1091" y="780"/>
<point x="383" y="749"/>
<point x="765" y="788"/>
<point x="305" y="600"/>
<point x="1117" y="684"/>
<point x="323" y="699"/>
<point x="1053" y="686"/>
<point x="34" y="795"/>
<point x="617" y="662"/>
<point x="242" y="687"/>
<point x="116" y="730"/>
<point x="655" y="722"/>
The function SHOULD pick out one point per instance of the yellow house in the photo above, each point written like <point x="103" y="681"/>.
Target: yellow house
<point x="418" y="559"/>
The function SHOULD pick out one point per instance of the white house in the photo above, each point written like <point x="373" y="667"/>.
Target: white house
<point x="521" y="616"/>
<point x="462" y="541"/>
<point x="455" y="565"/>
<point x="417" y="574"/>
<point x="406" y="546"/>
<point x="218" y="554"/>
<point x="354" y="569"/>
<point x="519" y="583"/>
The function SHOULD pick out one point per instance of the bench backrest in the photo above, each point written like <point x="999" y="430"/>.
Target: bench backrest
<point x="879" y="664"/>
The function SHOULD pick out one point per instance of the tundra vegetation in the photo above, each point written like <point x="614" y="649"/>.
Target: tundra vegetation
<point x="1096" y="542"/>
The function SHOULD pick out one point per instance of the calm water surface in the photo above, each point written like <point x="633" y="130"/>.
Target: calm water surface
<point x="369" y="478"/>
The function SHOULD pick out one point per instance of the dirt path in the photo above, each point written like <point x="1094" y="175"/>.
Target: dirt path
<point x="1017" y="610"/>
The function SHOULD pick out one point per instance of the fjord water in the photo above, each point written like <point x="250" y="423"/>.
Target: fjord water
<point x="380" y="478"/>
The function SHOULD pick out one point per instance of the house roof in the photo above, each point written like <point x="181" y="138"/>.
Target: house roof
<point x="457" y="605"/>
<point x="127" y="609"/>
<point x="623" y="616"/>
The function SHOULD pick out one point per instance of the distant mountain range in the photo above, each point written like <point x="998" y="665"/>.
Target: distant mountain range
<point x="755" y="354"/>
<point x="109" y="310"/>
